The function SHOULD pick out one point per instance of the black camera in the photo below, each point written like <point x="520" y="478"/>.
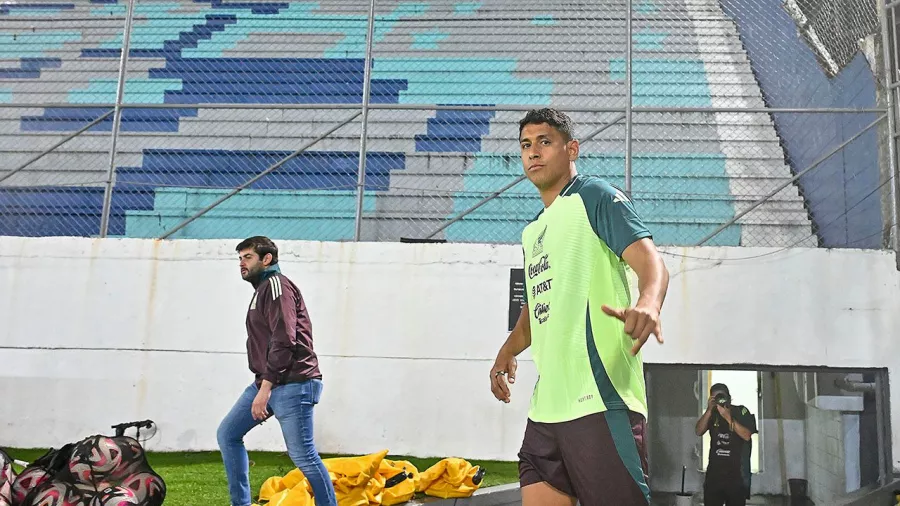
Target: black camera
<point x="721" y="398"/>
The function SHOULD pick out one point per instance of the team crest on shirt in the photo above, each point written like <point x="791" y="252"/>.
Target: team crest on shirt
<point x="538" y="247"/>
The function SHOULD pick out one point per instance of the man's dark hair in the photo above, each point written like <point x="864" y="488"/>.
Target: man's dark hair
<point x="261" y="245"/>
<point x="553" y="117"/>
<point x="723" y="396"/>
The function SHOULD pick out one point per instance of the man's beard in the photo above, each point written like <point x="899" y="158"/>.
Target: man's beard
<point x="253" y="275"/>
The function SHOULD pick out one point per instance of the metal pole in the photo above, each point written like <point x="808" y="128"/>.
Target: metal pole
<point x="58" y="144"/>
<point x="120" y="90"/>
<point x="891" y="71"/>
<point x="628" y="99"/>
<point x="515" y="182"/>
<point x="791" y="180"/>
<point x="367" y="78"/>
<point x="259" y="176"/>
<point x="881" y="415"/>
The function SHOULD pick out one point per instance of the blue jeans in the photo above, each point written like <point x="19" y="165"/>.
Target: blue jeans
<point x="292" y="405"/>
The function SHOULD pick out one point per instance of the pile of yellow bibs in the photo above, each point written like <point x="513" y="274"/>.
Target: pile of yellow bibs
<point x="373" y="480"/>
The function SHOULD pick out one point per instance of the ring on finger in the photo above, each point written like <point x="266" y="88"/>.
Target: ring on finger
<point x="500" y="373"/>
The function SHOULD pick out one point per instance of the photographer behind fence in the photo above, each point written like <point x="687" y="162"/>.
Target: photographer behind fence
<point x="730" y="428"/>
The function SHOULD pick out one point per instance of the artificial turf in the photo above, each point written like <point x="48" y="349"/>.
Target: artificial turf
<point x="198" y="478"/>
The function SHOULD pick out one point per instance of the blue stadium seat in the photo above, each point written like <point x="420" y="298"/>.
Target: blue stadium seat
<point x="34" y="8"/>
<point x="322" y="215"/>
<point x="30" y="68"/>
<point x="452" y="130"/>
<point x="324" y="178"/>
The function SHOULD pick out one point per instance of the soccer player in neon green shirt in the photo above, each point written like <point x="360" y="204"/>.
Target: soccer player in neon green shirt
<point x="585" y="435"/>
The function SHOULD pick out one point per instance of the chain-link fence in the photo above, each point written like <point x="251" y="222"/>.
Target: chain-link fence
<point x="729" y="122"/>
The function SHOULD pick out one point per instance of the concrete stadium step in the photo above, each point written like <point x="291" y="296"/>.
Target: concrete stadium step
<point x="390" y="227"/>
<point x="321" y="119"/>
<point x="404" y="45"/>
<point x="64" y="167"/>
<point x="404" y="35"/>
<point x="376" y="227"/>
<point x="475" y="75"/>
<point x="643" y="131"/>
<point x="648" y="67"/>
<point x="773" y="211"/>
<point x="257" y="136"/>
<point x="646" y="64"/>
<point x="585" y="122"/>
<point x="747" y="161"/>
<point x="385" y="228"/>
<point x="796" y="235"/>
<point x="645" y="137"/>
<point x="73" y="178"/>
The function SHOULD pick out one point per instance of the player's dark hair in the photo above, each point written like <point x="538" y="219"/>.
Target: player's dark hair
<point x="553" y="117"/>
<point x="261" y="245"/>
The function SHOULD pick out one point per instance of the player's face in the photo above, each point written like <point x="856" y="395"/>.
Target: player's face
<point x="251" y="265"/>
<point x="546" y="155"/>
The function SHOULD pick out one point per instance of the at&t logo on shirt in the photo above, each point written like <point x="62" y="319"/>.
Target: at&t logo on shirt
<point x="541" y="287"/>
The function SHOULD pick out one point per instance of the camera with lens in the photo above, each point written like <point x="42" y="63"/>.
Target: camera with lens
<point x="721" y="398"/>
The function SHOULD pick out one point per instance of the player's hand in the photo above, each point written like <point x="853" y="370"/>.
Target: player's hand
<point x="640" y="321"/>
<point x="711" y="403"/>
<point x="504" y="367"/>
<point x="260" y="406"/>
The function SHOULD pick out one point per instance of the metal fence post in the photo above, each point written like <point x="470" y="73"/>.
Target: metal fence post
<point x="628" y="97"/>
<point x="367" y="78"/>
<point x="883" y="428"/>
<point x="889" y="46"/>
<point x="117" y="118"/>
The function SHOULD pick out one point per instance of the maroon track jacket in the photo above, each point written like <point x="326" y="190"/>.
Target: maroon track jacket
<point x="279" y="332"/>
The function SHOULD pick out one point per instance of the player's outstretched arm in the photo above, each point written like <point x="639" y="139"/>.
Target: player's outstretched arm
<point x="505" y="364"/>
<point x="653" y="282"/>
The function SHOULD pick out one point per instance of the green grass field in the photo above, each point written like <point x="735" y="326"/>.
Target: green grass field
<point x="199" y="478"/>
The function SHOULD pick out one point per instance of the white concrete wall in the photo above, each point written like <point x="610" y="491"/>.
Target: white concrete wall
<point x="95" y="332"/>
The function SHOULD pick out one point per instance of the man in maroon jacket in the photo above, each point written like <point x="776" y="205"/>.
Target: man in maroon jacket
<point x="288" y="382"/>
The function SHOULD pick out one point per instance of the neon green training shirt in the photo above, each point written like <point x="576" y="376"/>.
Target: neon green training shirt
<point x="573" y="266"/>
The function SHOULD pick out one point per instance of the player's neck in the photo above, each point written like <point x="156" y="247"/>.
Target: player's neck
<point x="549" y="194"/>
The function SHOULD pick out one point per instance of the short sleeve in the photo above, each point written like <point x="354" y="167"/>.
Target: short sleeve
<point x="748" y="420"/>
<point x="525" y="260"/>
<point x="524" y="288"/>
<point x="612" y="215"/>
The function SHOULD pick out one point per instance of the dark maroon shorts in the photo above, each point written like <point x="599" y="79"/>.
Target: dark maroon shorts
<point x="601" y="459"/>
